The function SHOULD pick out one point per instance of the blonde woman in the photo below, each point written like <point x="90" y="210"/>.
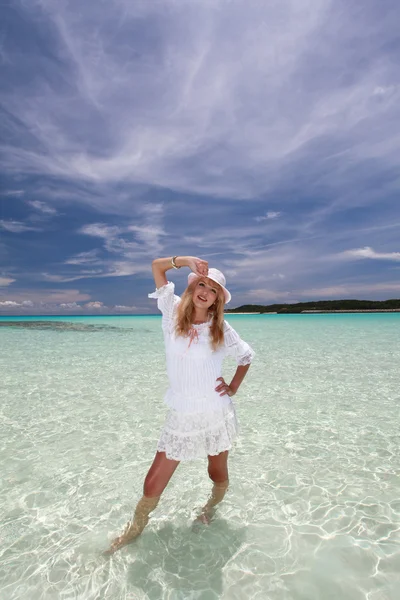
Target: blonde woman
<point x="201" y="420"/>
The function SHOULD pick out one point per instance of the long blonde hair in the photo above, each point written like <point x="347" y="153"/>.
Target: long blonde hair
<point x="186" y="310"/>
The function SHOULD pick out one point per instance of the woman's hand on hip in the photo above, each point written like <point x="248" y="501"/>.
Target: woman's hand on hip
<point x="224" y="388"/>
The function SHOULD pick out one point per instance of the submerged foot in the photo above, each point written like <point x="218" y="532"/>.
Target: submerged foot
<point x="204" y="518"/>
<point x="126" y="538"/>
<point x="117" y="544"/>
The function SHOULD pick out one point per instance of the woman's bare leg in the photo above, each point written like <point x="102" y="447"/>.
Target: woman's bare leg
<point x="218" y="473"/>
<point x="155" y="482"/>
<point x="159" y="475"/>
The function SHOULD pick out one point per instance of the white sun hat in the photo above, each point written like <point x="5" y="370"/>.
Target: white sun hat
<point x="216" y="276"/>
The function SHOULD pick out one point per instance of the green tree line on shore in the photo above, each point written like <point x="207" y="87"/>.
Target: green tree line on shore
<point x="320" y="305"/>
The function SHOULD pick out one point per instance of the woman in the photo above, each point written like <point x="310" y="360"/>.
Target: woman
<point x="201" y="421"/>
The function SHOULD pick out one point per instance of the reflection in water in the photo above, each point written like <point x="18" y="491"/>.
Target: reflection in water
<point x="191" y="563"/>
<point x="59" y="326"/>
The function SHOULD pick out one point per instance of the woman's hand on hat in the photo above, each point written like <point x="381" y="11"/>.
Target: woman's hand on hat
<point x="224" y="388"/>
<point x="198" y="266"/>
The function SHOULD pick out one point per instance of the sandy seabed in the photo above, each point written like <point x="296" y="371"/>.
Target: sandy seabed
<point x="313" y="510"/>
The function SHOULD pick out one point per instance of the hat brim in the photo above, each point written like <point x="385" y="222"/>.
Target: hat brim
<point x="227" y="294"/>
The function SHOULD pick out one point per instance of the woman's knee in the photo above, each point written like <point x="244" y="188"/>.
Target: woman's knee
<point x="152" y="487"/>
<point x="159" y="475"/>
<point x="155" y="483"/>
<point x="218" y="467"/>
<point x="218" y="473"/>
<point x="218" y="476"/>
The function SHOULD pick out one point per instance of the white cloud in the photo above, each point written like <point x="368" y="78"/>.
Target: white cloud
<point x="339" y="291"/>
<point x="86" y="274"/>
<point x="122" y="308"/>
<point x="5" y="281"/>
<point x="39" y="308"/>
<point x="45" y="296"/>
<point x="268" y="215"/>
<point x="119" y="268"/>
<point x="16" y="226"/>
<point x="50" y="302"/>
<point x="382" y="90"/>
<point x="269" y="277"/>
<point x="134" y="242"/>
<point x="148" y="235"/>
<point x="101" y="230"/>
<point x="264" y="296"/>
<point x="124" y="268"/>
<point x="95" y="304"/>
<point x="12" y="193"/>
<point x="368" y="252"/>
<point x="42" y="207"/>
<point x="150" y="232"/>
<point x="225" y="97"/>
<point x="84" y="258"/>
<point x="113" y="236"/>
<point x="230" y="272"/>
<point x="70" y="306"/>
<point x="351" y="289"/>
<point x="193" y="239"/>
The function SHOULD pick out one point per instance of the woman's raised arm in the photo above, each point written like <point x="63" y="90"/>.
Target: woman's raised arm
<point x="160" y="266"/>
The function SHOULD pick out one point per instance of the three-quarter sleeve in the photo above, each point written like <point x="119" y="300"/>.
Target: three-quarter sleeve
<point x="167" y="302"/>
<point x="236" y="347"/>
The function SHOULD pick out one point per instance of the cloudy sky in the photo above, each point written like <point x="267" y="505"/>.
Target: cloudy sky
<point x="260" y="135"/>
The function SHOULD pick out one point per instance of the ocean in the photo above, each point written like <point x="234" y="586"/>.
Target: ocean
<point x="313" y="508"/>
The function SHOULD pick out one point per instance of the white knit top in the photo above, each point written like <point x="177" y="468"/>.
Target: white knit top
<point x="192" y="365"/>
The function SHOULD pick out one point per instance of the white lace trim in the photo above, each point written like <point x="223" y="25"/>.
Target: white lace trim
<point x="187" y="436"/>
<point x="236" y="347"/>
<point x="167" y="302"/>
<point x="246" y="359"/>
<point x="164" y="290"/>
<point x="202" y="326"/>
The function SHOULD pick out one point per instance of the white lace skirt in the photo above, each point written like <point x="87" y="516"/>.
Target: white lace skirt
<point x="187" y="436"/>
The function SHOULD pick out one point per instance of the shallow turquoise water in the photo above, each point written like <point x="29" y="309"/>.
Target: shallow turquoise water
<point x="313" y="510"/>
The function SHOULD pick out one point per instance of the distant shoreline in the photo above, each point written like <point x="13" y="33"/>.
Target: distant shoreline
<point x="344" y="305"/>
<point x="315" y="312"/>
<point x="357" y="310"/>
<point x="312" y="307"/>
<point x="242" y="313"/>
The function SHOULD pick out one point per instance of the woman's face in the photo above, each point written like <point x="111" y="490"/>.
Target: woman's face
<point x="205" y="293"/>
